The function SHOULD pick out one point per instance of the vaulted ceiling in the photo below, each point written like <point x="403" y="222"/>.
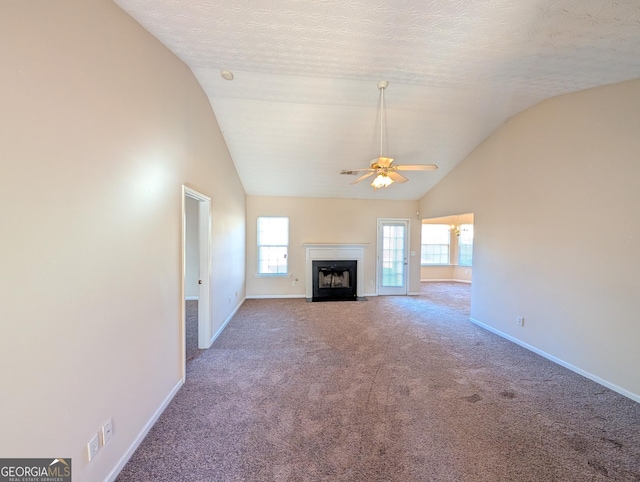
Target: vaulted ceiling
<point x="303" y="102"/>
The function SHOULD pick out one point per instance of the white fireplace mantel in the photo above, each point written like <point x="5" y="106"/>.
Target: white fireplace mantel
<point x="341" y="251"/>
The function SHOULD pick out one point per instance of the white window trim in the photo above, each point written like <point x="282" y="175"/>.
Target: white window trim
<point x="271" y="275"/>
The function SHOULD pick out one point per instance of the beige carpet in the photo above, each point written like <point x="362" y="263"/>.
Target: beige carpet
<point x="191" y="329"/>
<point x="390" y="389"/>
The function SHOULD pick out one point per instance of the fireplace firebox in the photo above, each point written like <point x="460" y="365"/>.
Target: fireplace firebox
<point x="334" y="280"/>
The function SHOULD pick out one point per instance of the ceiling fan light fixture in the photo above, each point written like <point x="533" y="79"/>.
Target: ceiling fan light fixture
<point x="381" y="180"/>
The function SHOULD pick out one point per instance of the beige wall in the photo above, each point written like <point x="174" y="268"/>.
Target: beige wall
<point x="463" y="273"/>
<point x="326" y="221"/>
<point x="555" y="194"/>
<point x="100" y="126"/>
<point x="446" y="273"/>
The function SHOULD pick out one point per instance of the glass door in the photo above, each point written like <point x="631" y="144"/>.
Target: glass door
<point x="393" y="244"/>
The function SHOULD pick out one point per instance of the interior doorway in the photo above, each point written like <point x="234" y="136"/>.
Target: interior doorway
<point x="192" y="279"/>
<point x="447" y="248"/>
<point x="196" y="313"/>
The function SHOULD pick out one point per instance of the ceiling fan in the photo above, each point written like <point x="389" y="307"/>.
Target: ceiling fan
<point x="383" y="166"/>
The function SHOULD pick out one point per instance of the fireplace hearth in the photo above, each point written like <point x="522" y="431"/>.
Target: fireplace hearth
<point x="334" y="280"/>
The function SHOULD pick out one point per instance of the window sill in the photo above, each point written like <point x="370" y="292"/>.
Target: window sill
<point x="272" y="275"/>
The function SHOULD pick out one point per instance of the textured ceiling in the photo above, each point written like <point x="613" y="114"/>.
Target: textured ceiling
<point x="303" y="103"/>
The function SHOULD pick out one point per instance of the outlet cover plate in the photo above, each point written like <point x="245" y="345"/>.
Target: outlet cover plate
<point x="93" y="446"/>
<point x="107" y="432"/>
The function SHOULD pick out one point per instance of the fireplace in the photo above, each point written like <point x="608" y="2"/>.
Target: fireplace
<point x="336" y="253"/>
<point x="334" y="280"/>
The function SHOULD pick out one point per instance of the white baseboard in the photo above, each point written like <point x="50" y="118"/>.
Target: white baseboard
<point x="143" y="433"/>
<point x="276" y="297"/>
<point x="145" y="430"/>
<point x="448" y="280"/>
<point x="633" y="396"/>
<point x="191" y="298"/>
<point x="266" y="297"/>
<point x="226" y="322"/>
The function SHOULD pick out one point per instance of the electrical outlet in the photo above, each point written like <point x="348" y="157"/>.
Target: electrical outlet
<point x="107" y="432"/>
<point x="520" y="320"/>
<point x="93" y="446"/>
<point x="293" y="283"/>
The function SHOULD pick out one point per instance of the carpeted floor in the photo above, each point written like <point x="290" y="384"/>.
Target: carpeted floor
<point x="390" y="389"/>
<point x="191" y="329"/>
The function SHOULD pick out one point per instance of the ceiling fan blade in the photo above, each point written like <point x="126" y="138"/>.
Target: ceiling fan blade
<point x="361" y="178"/>
<point x="397" y="177"/>
<point x="416" y="167"/>
<point x="354" y="171"/>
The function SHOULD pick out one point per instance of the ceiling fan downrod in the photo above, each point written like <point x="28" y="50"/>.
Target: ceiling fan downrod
<point x="381" y="86"/>
<point x="383" y="168"/>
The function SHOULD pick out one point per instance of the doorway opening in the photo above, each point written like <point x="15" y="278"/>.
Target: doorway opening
<point x="192" y="279"/>
<point x="196" y="242"/>
<point x="446" y="253"/>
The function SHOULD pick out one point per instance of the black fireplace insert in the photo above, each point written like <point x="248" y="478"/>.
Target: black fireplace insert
<point x="334" y="280"/>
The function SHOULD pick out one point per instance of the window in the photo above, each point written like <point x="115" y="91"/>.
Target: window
<point x="435" y="244"/>
<point x="273" y="245"/>
<point x="465" y="245"/>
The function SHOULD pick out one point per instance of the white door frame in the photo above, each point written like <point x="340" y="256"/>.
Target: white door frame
<point x="204" y="248"/>
<point x="404" y="289"/>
